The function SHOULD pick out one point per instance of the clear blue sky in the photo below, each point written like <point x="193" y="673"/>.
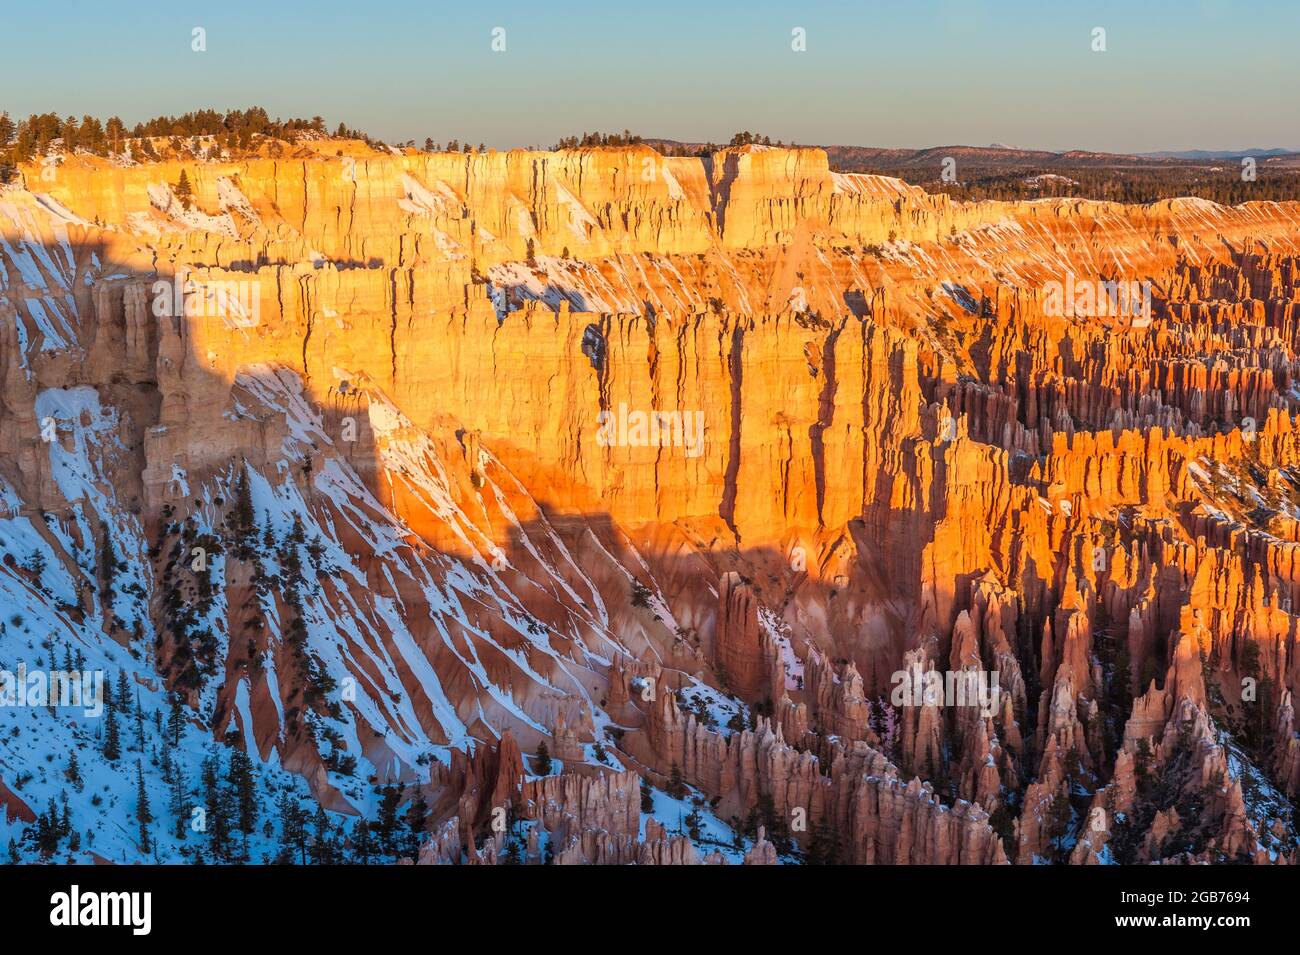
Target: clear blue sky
<point x="1177" y="74"/>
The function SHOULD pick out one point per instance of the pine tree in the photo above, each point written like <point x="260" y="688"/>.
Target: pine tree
<point x="1122" y="680"/>
<point x="245" y="519"/>
<point x="417" y="818"/>
<point x="139" y="722"/>
<point x="218" y="809"/>
<point x="116" y="132"/>
<point x="824" y="845"/>
<point x="163" y="760"/>
<point x="676" y="783"/>
<point x="390" y="798"/>
<point x="1059" y="816"/>
<point x="647" y="796"/>
<point x="107" y="568"/>
<point x="142" y="813"/>
<point x="1003" y="823"/>
<point x="122" y="695"/>
<point x="45" y="834"/>
<point x="178" y="802"/>
<point x="323" y="849"/>
<point x="694" y="820"/>
<point x="363" y="844"/>
<point x="543" y="760"/>
<point x="514" y="853"/>
<point x="245" y="787"/>
<point x="112" y="743"/>
<point x="293" y="830"/>
<point x="73" y="771"/>
<point x="184" y="191"/>
<point x="175" y="720"/>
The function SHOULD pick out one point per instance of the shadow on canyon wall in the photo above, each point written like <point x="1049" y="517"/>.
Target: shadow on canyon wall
<point x="863" y="608"/>
<point x="147" y="366"/>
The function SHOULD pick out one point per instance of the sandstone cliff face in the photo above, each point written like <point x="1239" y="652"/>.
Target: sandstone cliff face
<point x="692" y="470"/>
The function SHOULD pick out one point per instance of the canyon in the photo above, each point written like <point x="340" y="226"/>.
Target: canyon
<point x="313" y="452"/>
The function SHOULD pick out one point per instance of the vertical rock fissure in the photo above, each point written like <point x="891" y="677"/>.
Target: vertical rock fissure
<point x="652" y="357"/>
<point x="392" y="328"/>
<point x="735" y="365"/>
<point x="825" y="414"/>
<point x="720" y="191"/>
<point x="304" y="290"/>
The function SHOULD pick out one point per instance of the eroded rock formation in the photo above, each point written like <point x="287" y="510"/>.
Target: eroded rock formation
<point x="691" y="470"/>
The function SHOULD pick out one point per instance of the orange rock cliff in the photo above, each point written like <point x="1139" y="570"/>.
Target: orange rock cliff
<point x="719" y="479"/>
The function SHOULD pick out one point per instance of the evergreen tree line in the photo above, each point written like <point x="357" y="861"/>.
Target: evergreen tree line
<point x="664" y="147"/>
<point x="1131" y="185"/>
<point x="453" y="146"/>
<point x="215" y="819"/>
<point x="586" y="140"/>
<point x="235" y="130"/>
